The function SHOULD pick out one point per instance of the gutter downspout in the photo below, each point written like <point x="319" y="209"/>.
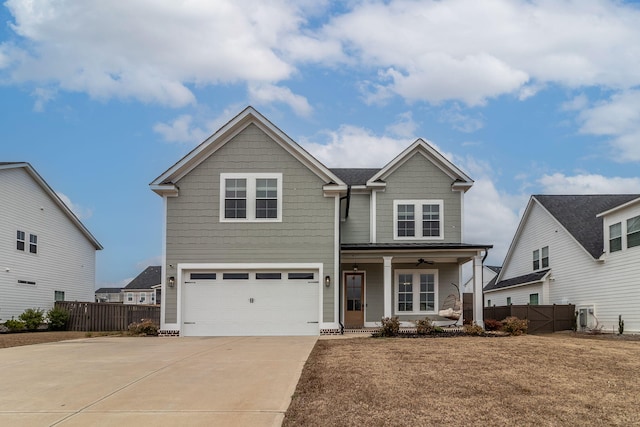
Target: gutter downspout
<point x="346" y="215"/>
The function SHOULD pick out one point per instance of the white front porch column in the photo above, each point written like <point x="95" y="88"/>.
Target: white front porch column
<point x="387" y="285"/>
<point x="478" y="316"/>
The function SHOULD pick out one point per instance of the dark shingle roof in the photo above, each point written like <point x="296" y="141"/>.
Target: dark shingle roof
<point x="527" y="278"/>
<point x="578" y="215"/>
<point x="494" y="268"/>
<point x="151" y="276"/>
<point x="108" y="290"/>
<point x="355" y="176"/>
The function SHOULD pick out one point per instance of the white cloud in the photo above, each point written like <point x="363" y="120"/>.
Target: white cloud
<point x="180" y="130"/>
<point x="461" y="121"/>
<point x="404" y="126"/>
<point x="42" y="96"/>
<point x="588" y="184"/>
<point x="264" y="94"/>
<point x="619" y="119"/>
<point x="81" y="212"/>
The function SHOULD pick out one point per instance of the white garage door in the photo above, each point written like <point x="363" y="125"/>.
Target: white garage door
<point x="250" y="303"/>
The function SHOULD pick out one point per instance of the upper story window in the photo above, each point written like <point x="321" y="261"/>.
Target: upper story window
<point x="541" y="258"/>
<point x="255" y="197"/>
<point x="418" y="219"/>
<point x="633" y="231"/>
<point x="20" y="240"/>
<point x="615" y="237"/>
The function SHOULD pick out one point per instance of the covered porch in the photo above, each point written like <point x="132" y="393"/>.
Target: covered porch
<point x="408" y="280"/>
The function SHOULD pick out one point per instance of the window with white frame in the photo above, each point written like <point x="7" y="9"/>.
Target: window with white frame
<point x="418" y="219"/>
<point x="633" y="232"/>
<point x="58" y="295"/>
<point x="130" y="296"/>
<point x="416" y="291"/>
<point x="20" y="236"/>
<point x="33" y="243"/>
<point x="615" y="237"/>
<point x="541" y="258"/>
<point x="253" y="197"/>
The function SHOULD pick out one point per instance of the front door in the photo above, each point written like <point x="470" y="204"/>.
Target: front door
<point x="354" y="300"/>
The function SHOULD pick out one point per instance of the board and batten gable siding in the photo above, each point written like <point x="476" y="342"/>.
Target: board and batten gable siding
<point x="355" y="228"/>
<point x="65" y="260"/>
<point x="195" y="233"/>
<point x="419" y="179"/>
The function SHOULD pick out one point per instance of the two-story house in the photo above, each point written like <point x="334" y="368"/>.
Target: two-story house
<point x="260" y="238"/>
<point x="46" y="253"/>
<point x="143" y="288"/>
<point x="577" y="249"/>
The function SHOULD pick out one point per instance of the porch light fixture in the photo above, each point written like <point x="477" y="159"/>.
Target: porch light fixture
<point x="172" y="281"/>
<point x="327" y="281"/>
<point x="355" y="267"/>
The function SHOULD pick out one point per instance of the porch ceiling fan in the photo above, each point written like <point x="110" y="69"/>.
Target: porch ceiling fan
<point x="423" y="261"/>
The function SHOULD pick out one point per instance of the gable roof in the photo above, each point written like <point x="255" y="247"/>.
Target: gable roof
<point x="151" y="276"/>
<point x="355" y="176"/>
<point x="578" y="214"/>
<point x="108" y="290"/>
<point x="420" y="146"/>
<point x="516" y="281"/>
<point x="54" y="196"/>
<point x="165" y="183"/>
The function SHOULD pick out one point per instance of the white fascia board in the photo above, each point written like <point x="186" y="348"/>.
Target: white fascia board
<point x="57" y="200"/>
<point x="618" y="208"/>
<point x="332" y="189"/>
<point x="169" y="190"/>
<point x="232" y="128"/>
<point x="431" y="154"/>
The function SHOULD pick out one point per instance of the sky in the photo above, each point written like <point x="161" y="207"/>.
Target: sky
<point x="526" y="97"/>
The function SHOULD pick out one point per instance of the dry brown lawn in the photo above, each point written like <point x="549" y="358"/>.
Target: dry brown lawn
<point x="28" y="338"/>
<point x="470" y="381"/>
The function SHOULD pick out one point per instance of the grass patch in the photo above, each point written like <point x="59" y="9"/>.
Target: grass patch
<point x="524" y="380"/>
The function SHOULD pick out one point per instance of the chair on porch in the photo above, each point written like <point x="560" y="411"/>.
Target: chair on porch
<point x="451" y="306"/>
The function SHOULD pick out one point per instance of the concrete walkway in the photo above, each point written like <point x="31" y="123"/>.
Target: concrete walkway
<point x="122" y="381"/>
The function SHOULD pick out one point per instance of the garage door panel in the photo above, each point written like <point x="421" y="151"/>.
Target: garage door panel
<point x="252" y="307"/>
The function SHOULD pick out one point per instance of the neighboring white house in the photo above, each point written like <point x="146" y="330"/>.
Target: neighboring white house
<point x="489" y="273"/>
<point x="109" y="295"/>
<point x="582" y="250"/>
<point x="143" y="289"/>
<point x="46" y="253"/>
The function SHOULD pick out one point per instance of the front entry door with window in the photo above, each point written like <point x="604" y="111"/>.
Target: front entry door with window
<point x="354" y="300"/>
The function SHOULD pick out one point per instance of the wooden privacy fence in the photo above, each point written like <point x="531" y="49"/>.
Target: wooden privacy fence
<point x="542" y="318"/>
<point x="101" y="317"/>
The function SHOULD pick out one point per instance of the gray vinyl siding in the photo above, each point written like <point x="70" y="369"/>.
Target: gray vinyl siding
<point x="419" y="179"/>
<point x="196" y="235"/>
<point x="355" y="229"/>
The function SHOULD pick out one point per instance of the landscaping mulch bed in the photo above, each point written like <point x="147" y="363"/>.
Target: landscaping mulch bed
<point x="559" y="379"/>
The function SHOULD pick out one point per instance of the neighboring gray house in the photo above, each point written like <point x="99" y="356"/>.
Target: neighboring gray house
<point x="143" y="289"/>
<point x="46" y="253"/>
<point x="583" y="250"/>
<point x="263" y="239"/>
<point x="109" y="295"/>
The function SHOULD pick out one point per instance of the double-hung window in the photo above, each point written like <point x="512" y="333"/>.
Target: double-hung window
<point x="633" y="231"/>
<point x="418" y="219"/>
<point x="615" y="237"/>
<point x="20" y="240"/>
<point x="252" y="197"/>
<point x="541" y="258"/>
<point x="416" y="291"/>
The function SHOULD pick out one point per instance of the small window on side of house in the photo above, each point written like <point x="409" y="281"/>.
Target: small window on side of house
<point x="545" y="257"/>
<point x="488" y="303"/>
<point x="533" y="299"/>
<point x="508" y="300"/>
<point x="129" y="296"/>
<point x="633" y="232"/>
<point x="536" y="259"/>
<point x="615" y="237"/>
<point x="20" y="236"/>
<point x="33" y="243"/>
<point x="58" y="296"/>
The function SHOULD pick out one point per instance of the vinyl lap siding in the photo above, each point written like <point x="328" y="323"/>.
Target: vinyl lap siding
<point x="519" y="295"/>
<point x="65" y="260"/>
<point x="418" y="178"/>
<point x="196" y="235"/>
<point x="355" y="229"/>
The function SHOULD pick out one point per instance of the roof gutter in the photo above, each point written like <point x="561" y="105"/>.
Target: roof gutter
<point x="338" y="281"/>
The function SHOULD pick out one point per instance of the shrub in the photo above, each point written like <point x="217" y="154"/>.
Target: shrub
<point x="58" y="318"/>
<point x="390" y="327"/>
<point x="473" y="329"/>
<point x="424" y="327"/>
<point x="492" y="325"/>
<point x="144" y="328"/>
<point x="14" y="325"/>
<point x="32" y="318"/>
<point x="515" y="326"/>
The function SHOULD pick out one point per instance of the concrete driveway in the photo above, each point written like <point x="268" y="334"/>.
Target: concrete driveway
<point x="121" y="381"/>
